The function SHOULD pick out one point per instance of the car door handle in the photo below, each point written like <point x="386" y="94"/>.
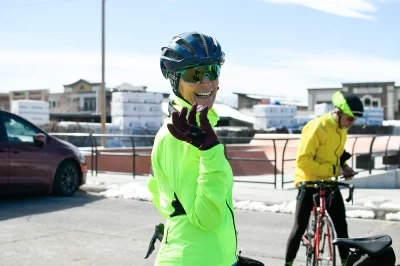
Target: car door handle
<point x="3" y="150"/>
<point x="14" y="151"/>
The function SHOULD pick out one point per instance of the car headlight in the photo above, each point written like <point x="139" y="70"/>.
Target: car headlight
<point x="82" y="158"/>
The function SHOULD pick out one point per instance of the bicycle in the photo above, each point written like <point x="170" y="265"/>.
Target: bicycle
<point x="320" y="231"/>
<point x="369" y="251"/>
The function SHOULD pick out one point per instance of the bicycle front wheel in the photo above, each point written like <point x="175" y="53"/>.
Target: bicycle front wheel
<point x="324" y="251"/>
<point x="308" y="238"/>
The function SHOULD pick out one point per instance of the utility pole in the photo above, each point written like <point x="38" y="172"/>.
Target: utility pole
<point x="103" y="89"/>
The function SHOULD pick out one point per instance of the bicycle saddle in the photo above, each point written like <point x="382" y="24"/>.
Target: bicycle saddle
<point x="373" y="245"/>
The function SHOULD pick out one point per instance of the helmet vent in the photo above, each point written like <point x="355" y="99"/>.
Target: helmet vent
<point x="202" y="43"/>
<point x="173" y="55"/>
<point x="186" y="46"/>
<point x="215" y="43"/>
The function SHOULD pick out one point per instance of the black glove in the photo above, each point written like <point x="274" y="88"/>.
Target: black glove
<point x="202" y="137"/>
<point x="345" y="156"/>
<point x="158" y="234"/>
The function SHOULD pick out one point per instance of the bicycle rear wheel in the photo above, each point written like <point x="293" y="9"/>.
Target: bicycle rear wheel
<point x="324" y="251"/>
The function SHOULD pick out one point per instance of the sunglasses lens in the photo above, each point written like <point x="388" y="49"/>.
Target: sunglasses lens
<point x="350" y="119"/>
<point x="196" y="75"/>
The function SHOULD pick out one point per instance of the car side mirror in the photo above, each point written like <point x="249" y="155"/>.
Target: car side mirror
<point x="40" y="139"/>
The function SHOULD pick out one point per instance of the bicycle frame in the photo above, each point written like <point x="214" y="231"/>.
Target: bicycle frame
<point x="320" y="212"/>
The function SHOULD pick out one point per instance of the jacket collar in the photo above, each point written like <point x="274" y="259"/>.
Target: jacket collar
<point x="331" y="119"/>
<point x="179" y="103"/>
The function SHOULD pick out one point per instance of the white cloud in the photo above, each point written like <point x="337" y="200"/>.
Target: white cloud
<point x="26" y="69"/>
<point x="284" y="73"/>
<point x="344" y="8"/>
<point x="346" y="66"/>
<point x="290" y="74"/>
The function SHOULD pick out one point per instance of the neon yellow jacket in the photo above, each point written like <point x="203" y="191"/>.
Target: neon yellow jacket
<point x="318" y="154"/>
<point x="203" y="231"/>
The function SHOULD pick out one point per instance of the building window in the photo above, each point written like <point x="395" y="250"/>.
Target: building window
<point x="82" y="88"/>
<point x="367" y="102"/>
<point x="54" y="103"/>
<point x="90" y="104"/>
<point x="375" y="104"/>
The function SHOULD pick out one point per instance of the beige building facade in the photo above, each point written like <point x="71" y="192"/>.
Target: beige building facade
<point x="37" y="95"/>
<point x="373" y="94"/>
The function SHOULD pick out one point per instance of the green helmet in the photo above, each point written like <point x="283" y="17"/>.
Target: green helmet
<point x="349" y="103"/>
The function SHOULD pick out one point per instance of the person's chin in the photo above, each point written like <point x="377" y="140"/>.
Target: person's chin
<point x="209" y="101"/>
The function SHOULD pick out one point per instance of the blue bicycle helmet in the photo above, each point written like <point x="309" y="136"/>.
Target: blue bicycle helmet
<point x="189" y="49"/>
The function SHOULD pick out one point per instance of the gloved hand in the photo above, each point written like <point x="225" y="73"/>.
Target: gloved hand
<point x="348" y="173"/>
<point x="345" y="156"/>
<point x="202" y="137"/>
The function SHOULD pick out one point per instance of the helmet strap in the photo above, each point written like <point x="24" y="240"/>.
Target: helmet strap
<point x="340" y="121"/>
<point x="174" y="79"/>
<point x="339" y="114"/>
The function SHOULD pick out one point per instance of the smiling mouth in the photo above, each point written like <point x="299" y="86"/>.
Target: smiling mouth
<point x="203" y="94"/>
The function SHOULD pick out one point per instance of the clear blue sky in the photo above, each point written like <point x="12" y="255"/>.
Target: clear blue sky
<point x="274" y="47"/>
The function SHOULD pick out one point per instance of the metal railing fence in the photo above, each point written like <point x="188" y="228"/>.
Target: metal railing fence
<point x="137" y="141"/>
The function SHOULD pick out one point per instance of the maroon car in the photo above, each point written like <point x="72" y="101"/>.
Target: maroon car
<point x="33" y="161"/>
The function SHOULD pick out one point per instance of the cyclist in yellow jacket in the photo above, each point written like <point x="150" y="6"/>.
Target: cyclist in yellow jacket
<point x="191" y="181"/>
<point x="321" y="156"/>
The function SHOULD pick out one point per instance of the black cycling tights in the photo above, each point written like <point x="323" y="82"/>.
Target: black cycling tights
<point x="336" y="210"/>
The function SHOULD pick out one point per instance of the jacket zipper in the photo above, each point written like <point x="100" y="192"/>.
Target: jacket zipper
<point x="166" y="236"/>
<point x="234" y="226"/>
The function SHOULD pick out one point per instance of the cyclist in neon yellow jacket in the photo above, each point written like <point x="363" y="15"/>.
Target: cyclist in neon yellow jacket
<point x="191" y="180"/>
<point x="320" y="156"/>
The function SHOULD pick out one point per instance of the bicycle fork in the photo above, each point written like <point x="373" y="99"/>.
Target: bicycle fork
<point x="320" y="225"/>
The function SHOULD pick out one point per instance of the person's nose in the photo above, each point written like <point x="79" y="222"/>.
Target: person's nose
<point x="206" y="81"/>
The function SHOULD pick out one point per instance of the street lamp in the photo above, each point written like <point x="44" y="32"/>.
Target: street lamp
<point x="102" y="88"/>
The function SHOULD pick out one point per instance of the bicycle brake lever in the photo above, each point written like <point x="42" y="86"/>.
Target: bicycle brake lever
<point x="350" y="198"/>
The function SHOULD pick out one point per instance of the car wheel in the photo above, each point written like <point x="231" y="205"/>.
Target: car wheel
<point x="67" y="179"/>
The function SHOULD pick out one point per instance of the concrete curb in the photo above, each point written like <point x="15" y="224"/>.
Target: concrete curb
<point x="379" y="212"/>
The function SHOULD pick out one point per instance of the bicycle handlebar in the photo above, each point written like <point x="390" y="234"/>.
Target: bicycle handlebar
<point x="322" y="184"/>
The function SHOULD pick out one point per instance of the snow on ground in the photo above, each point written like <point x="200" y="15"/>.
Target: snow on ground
<point x="370" y="204"/>
<point x="360" y="214"/>
<point x="134" y="190"/>
<point x="392" y="216"/>
<point x="391" y="206"/>
<point x="89" y="181"/>
<point x="284" y="207"/>
<point x="130" y="190"/>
